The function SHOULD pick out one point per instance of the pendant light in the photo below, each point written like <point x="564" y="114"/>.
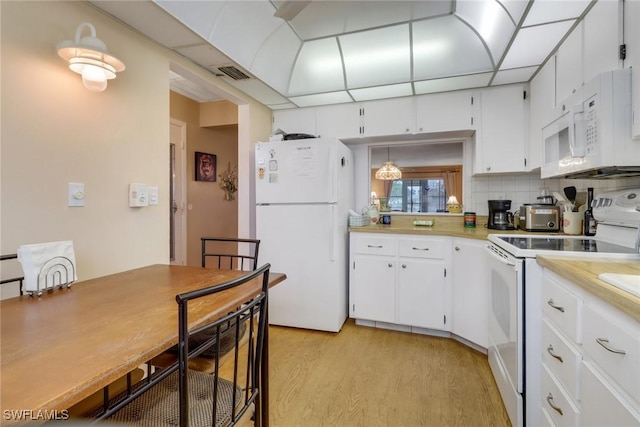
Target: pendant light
<point x="88" y="56"/>
<point x="388" y="171"/>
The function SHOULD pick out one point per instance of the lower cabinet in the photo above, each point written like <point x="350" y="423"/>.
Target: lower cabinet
<point x="470" y="291"/>
<point x="399" y="280"/>
<point x="590" y="358"/>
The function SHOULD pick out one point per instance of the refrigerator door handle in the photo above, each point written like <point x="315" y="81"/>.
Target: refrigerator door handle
<point x="332" y="234"/>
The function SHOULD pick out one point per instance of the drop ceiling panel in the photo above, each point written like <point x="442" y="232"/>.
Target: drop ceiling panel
<point x="445" y="46"/>
<point x="533" y="44"/>
<point x="197" y="15"/>
<point x="321" y="99"/>
<point x="515" y="8"/>
<point x="544" y="11"/>
<point x="152" y="21"/>
<point x="330" y="18"/>
<point x="275" y="59"/>
<point x="491" y="21"/>
<point x="382" y="92"/>
<point x="452" y="83"/>
<point x="377" y="57"/>
<point x="318" y="68"/>
<point x="516" y="75"/>
<point x="241" y="28"/>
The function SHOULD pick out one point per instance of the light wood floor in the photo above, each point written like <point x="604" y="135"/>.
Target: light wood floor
<point x="373" y="377"/>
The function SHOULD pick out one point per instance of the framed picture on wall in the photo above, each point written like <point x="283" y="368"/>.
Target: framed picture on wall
<point x="205" y="166"/>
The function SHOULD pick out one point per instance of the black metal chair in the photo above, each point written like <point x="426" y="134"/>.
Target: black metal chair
<point x="231" y="252"/>
<point x="18" y="279"/>
<point x="179" y="395"/>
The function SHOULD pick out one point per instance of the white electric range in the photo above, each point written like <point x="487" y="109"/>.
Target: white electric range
<point x="515" y="301"/>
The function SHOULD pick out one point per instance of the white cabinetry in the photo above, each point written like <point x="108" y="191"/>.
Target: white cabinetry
<point x="569" y="76"/>
<point x="470" y="291"/>
<point x="399" y="279"/>
<point x="340" y="121"/>
<point x="542" y="103"/>
<point x="632" y="42"/>
<point x="602" y="39"/>
<point x="502" y="140"/>
<point x="421" y="281"/>
<point x="591" y="358"/>
<point x="442" y="112"/>
<point x="372" y="278"/>
<point x="388" y="117"/>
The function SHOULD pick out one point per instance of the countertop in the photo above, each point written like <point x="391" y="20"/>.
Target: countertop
<point x="584" y="273"/>
<point x="444" y="225"/>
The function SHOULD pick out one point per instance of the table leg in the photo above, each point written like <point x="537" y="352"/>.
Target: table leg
<point x="264" y="375"/>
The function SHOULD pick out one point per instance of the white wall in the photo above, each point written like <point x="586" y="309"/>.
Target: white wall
<point x="54" y="131"/>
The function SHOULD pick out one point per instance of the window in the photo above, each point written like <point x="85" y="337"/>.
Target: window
<point x="421" y="189"/>
<point x="413" y="195"/>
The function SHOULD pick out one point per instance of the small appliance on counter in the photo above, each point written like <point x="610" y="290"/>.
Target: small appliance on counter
<point x="539" y="217"/>
<point x="499" y="216"/>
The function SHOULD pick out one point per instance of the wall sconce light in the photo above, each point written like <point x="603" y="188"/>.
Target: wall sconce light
<point x="88" y="57"/>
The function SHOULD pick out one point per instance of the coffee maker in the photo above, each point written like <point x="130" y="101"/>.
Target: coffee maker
<point x="499" y="216"/>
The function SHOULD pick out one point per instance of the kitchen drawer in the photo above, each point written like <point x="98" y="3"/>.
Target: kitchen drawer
<point x="562" y="410"/>
<point x="600" y="332"/>
<point x="374" y="245"/>
<point x="563" y="308"/>
<point x="603" y="406"/>
<point x="423" y="248"/>
<point x="562" y="358"/>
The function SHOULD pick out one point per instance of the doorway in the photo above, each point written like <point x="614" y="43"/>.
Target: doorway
<point x="177" y="193"/>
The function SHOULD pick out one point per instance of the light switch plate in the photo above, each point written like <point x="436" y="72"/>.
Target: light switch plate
<point x="76" y="194"/>
<point x="153" y="196"/>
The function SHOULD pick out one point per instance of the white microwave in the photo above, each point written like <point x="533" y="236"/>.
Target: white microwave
<point x="591" y="136"/>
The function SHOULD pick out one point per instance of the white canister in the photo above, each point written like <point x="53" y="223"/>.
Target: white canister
<point x="374" y="214"/>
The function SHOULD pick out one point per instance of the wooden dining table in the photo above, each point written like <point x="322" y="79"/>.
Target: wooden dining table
<point x="57" y="349"/>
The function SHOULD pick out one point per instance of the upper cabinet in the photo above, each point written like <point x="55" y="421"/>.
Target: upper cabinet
<point x="388" y="117"/>
<point x="501" y="141"/>
<point x="602" y="39"/>
<point x="632" y="42"/>
<point x="592" y="48"/>
<point x="569" y="65"/>
<point x="340" y="121"/>
<point x="442" y="112"/>
<point x="541" y="105"/>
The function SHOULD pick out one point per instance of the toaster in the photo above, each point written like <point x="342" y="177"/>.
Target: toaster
<point x="534" y="217"/>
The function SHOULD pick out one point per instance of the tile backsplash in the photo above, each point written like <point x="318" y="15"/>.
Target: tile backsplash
<point x="525" y="188"/>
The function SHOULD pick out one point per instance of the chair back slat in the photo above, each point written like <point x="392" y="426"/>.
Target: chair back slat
<point x="18" y="279"/>
<point x="230" y="253"/>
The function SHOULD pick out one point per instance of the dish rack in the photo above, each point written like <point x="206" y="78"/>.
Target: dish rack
<point x="359" y="220"/>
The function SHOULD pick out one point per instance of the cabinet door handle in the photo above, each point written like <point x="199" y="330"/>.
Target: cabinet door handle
<point x="375" y="246"/>
<point x="550" y="351"/>
<point x="457" y="248"/>
<point x="605" y="343"/>
<point x="404" y="265"/>
<point x="420" y="249"/>
<point x="557" y="307"/>
<point x="389" y="265"/>
<point x="556" y="408"/>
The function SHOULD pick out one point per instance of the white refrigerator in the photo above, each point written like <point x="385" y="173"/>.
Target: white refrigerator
<point x="304" y="191"/>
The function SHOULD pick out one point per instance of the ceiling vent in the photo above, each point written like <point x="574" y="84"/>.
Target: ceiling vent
<point x="233" y="72"/>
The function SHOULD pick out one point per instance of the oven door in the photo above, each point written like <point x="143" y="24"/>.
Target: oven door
<point x="506" y="312"/>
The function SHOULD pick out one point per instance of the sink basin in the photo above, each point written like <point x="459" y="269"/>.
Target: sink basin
<point x="626" y="282"/>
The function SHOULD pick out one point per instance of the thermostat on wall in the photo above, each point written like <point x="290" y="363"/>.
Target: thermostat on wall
<point x="138" y="195"/>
